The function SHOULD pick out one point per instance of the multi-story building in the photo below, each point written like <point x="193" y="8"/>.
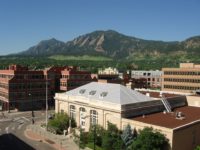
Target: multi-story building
<point x="154" y="78"/>
<point x="184" y="79"/>
<point x="24" y="89"/>
<point x="71" y="78"/>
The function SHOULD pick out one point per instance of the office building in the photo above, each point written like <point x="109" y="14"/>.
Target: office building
<point x="184" y="79"/>
<point x="24" y="89"/>
<point x="154" y="78"/>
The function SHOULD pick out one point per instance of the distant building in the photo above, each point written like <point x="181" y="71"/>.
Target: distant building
<point x="98" y="103"/>
<point x="154" y="78"/>
<point x="24" y="89"/>
<point x="109" y="75"/>
<point x="109" y="71"/>
<point x="184" y="79"/>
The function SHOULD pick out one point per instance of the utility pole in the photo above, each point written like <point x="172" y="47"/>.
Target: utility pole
<point x="32" y="112"/>
<point x="46" y="101"/>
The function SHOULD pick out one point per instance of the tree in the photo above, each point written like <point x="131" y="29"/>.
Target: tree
<point x="96" y="132"/>
<point x="197" y="148"/>
<point x="82" y="139"/>
<point x="111" y="138"/>
<point x="127" y="135"/>
<point x="149" y="139"/>
<point x="61" y="122"/>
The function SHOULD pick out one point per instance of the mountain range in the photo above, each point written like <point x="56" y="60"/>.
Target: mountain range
<point x="114" y="45"/>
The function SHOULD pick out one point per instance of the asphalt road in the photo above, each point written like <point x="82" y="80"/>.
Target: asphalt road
<point x="12" y="128"/>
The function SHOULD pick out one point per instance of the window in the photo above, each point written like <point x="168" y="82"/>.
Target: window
<point x="92" y="92"/>
<point x="93" y="117"/>
<point x="82" y="109"/>
<point x="103" y="94"/>
<point x="72" y="111"/>
<point x="82" y="91"/>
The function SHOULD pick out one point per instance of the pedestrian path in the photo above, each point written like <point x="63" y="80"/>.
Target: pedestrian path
<point x="62" y="142"/>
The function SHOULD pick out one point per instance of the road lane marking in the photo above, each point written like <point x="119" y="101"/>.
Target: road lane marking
<point x="20" y="126"/>
<point x="6" y="129"/>
<point x="26" y="119"/>
<point x="13" y="128"/>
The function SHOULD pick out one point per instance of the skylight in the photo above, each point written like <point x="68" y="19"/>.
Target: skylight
<point x="103" y="94"/>
<point x="92" y="92"/>
<point x="82" y="91"/>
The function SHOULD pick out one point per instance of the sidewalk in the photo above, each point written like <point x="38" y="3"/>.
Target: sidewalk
<point x="33" y="136"/>
<point x="58" y="144"/>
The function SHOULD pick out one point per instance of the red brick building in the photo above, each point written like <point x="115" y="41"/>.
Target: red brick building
<point x="68" y="77"/>
<point x="72" y="77"/>
<point x="24" y="89"/>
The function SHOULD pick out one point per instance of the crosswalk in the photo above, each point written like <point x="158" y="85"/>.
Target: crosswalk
<point x="16" y="124"/>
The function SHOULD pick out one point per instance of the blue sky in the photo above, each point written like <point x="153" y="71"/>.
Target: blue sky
<point x="23" y="23"/>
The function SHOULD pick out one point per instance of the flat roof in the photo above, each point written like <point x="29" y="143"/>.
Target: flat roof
<point x="169" y="120"/>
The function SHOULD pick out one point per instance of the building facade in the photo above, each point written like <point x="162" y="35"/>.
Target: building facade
<point x="72" y="77"/>
<point x="109" y="71"/>
<point x="24" y="89"/>
<point x="98" y="103"/>
<point x="154" y="78"/>
<point x="184" y="79"/>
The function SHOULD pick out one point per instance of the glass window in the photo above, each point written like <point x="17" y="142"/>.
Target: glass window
<point x="72" y="111"/>
<point x="93" y="117"/>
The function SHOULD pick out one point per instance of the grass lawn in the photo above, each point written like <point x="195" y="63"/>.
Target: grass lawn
<point x="84" y="57"/>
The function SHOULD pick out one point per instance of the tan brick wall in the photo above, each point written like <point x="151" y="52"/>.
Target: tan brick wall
<point x="193" y="101"/>
<point x="187" y="138"/>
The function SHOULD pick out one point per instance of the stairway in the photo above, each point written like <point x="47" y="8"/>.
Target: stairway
<point x="166" y="104"/>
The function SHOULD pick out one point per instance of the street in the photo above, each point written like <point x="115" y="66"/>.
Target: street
<point x="12" y="127"/>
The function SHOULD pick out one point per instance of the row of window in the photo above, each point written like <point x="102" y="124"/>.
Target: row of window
<point x="181" y="87"/>
<point x="25" y="76"/>
<point x="2" y="94"/>
<point x="182" y="80"/>
<point x="3" y="85"/>
<point x="29" y="86"/>
<point x="181" y="73"/>
<point x="93" y="114"/>
<point x="33" y="95"/>
<point x="6" y="76"/>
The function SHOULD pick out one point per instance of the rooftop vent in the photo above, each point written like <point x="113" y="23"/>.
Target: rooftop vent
<point x="103" y="94"/>
<point x="180" y="115"/>
<point x="92" y="92"/>
<point x="148" y="94"/>
<point x="82" y="91"/>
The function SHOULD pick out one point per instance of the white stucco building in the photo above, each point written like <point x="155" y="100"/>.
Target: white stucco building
<point x="98" y="103"/>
